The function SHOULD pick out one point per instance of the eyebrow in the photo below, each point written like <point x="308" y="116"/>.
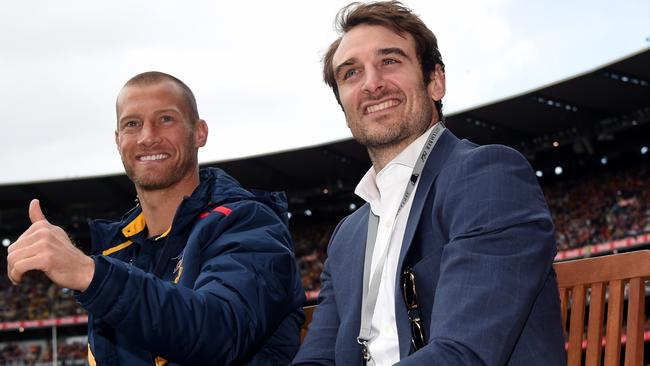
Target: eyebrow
<point x="169" y="110"/>
<point x="391" y="51"/>
<point x="159" y="111"/>
<point x="128" y="117"/>
<point x="380" y="52"/>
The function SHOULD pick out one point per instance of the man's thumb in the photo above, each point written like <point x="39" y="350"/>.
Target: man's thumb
<point x="35" y="213"/>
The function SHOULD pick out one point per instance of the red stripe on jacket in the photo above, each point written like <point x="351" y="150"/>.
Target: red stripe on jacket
<point x="222" y="209"/>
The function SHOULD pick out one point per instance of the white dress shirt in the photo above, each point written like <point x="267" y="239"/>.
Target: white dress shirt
<point x="384" y="192"/>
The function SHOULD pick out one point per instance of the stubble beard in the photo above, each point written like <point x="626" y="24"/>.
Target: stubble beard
<point x="394" y="133"/>
<point x="155" y="180"/>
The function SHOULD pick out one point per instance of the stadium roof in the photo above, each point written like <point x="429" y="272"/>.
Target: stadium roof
<point x="601" y="112"/>
<point x="591" y="105"/>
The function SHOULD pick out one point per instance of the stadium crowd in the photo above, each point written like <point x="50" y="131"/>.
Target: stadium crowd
<point x="604" y="207"/>
<point x="35" y="298"/>
<point x="310" y="242"/>
<point x="35" y="354"/>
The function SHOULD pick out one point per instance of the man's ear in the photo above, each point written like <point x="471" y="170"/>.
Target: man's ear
<point x="117" y="141"/>
<point x="436" y="87"/>
<point x="200" y="133"/>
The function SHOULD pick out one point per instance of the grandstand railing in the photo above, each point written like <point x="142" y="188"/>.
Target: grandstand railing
<point x="44" y="323"/>
<point x="603" y="248"/>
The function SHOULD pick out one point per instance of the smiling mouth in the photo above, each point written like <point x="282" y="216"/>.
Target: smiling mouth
<point x="381" y="106"/>
<point x="154" y="157"/>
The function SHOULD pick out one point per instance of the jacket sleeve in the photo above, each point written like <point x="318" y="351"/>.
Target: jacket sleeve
<point x="248" y="282"/>
<point x="498" y="258"/>
<point x="318" y="347"/>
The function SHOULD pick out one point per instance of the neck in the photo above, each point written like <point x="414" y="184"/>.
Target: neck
<point x="381" y="155"/>
<point x="159" y="206"/>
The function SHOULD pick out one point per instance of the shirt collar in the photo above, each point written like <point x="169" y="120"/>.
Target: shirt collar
<point x="368" y="189"/>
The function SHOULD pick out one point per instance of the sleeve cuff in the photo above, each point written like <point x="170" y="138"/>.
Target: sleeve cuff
<point x="105" y="287"/>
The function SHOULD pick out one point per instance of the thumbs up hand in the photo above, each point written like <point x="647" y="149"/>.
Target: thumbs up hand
<point x="35" y="212"/>
<point x="47" y="248"/>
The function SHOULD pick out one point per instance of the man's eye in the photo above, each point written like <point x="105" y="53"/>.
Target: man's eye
<point x="389" y="61"/>
<point x="350" y="73"/>
<point x="166" y="119"/>
<point x="131" y="123"/>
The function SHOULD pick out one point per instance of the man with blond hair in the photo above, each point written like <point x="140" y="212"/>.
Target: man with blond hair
<point x="200" y="272"/>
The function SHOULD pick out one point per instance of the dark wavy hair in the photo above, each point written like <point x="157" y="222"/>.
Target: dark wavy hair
<point x="395" y="16"/>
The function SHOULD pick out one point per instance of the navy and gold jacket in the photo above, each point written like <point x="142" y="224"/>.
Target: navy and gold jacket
<point x="222" y="288"/>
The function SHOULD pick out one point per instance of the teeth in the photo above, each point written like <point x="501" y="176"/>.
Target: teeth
<point x="153" y="157"/>
<point x="382" y="106"/>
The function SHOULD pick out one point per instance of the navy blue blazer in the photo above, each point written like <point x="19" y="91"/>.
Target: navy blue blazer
<point x="480" y="242"/>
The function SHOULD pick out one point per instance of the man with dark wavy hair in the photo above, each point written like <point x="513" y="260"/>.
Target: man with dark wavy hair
<point x="450" y="260"/>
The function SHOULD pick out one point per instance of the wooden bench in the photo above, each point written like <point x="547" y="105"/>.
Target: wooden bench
<point x="584" y="282"/>
<point x="309" y="313"/>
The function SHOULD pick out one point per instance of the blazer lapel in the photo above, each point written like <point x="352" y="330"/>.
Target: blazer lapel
<point x="349" y="284"/>
<point x="356" y="257"/>
<point x="432" y="167"/>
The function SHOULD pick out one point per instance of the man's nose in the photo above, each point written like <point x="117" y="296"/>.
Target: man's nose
<point x="373" y="81"/>
<point x="148" y="135"/>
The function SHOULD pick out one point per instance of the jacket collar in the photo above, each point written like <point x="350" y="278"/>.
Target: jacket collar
<point x="216" y="187"/>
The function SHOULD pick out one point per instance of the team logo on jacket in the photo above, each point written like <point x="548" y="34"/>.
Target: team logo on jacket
<point x="178" y="270"/>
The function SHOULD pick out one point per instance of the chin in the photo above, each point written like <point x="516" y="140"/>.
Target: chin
<point x="151" y="185"/>
<point x="386" y="137"/>
<point x="154" y="182"/>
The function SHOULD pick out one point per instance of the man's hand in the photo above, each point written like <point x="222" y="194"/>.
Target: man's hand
<point x="47" y="248"/>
